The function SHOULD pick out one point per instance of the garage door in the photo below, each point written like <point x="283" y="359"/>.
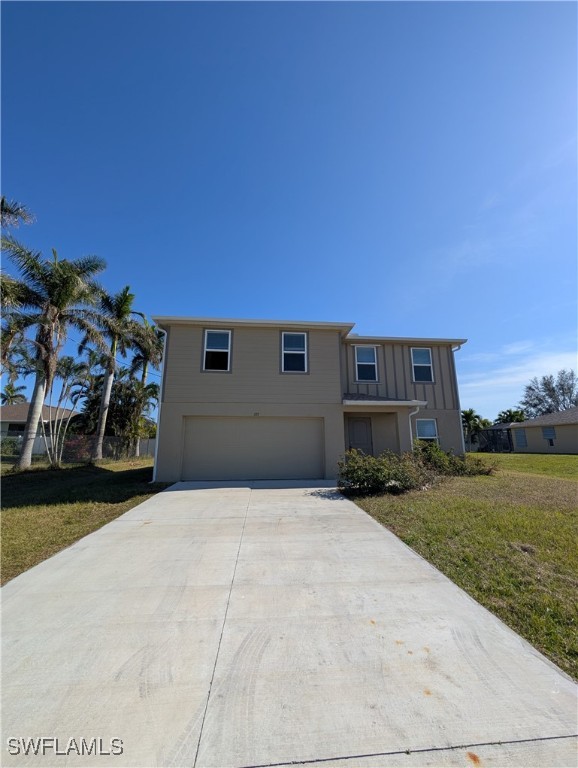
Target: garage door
<point x="255" y="448"/>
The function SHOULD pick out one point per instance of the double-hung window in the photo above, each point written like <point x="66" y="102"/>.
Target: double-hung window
<point x="422" y="364"/>
<point x="549" y="434"/>
<point x="426" y="429"/>
<point x="366" y="363"/>
<point x="293" y="352"/>
<point x="217" y="355"/>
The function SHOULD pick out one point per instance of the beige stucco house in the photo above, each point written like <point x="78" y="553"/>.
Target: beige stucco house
<point x="259" y="399"/>
<point x="551" y="433"/>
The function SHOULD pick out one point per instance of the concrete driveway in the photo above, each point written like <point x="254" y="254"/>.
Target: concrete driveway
<point x="261" y="626"/>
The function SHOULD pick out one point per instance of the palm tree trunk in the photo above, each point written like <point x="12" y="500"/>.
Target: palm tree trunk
<point x="144" y="381"/>
<point x="103" y="414"/>
<point x="34" y="415"/>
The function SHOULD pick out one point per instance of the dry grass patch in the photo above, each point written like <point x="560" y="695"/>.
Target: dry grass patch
<point x="44" y="511"/>
<point x="509" y="540"/>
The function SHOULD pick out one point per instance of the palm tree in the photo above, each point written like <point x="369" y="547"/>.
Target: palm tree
<point x="149" y="346"/>
<point x="119" y="329"/>
<point x="72" y="374"/>
<point x="55" y="295"/>
<point x="510" y="415"/>
<point x="12" y="213"/>
<point x="12" y="395"/>
<point x="471" y="425"/>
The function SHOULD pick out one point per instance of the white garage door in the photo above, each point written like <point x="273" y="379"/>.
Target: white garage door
<point x="254" y="448"/>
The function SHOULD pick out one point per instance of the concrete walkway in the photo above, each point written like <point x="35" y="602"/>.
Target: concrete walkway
<point x="261" y="626"/>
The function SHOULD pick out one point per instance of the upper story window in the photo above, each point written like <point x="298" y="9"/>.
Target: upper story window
<point x="422" y="365"/>
<point x="217" y="356"/>
<point x="426" y="429"/>
<point x="366" y="363"/>
<point x="294" y="352"/>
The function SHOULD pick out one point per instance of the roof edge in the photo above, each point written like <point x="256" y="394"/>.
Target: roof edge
<point x="401" y="340"/>
<point x="224" y="321"/>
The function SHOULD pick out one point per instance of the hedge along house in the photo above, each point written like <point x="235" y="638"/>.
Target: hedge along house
<point x="551" y="433"/>
<point x="265" y="399"/>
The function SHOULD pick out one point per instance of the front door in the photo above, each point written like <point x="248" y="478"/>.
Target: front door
<point x="359" y="434"/>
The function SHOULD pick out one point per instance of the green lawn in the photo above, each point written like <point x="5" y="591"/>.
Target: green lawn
<point x="508" y="539"/>
<point x="563" y="465"/>
<point x="44" y="511"/>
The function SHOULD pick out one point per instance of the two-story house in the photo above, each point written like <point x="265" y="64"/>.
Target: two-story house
<point x="259" y="399"/>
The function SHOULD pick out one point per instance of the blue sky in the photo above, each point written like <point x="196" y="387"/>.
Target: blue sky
<point x="410" y="167"/>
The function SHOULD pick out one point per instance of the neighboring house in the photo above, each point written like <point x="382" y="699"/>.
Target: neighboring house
<point x="13" y="418"/>
<point x="259" y="399"/>
<point x="551" y="433"/>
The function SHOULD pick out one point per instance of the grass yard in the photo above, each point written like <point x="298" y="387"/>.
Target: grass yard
<point x="44" y="511"/>
<point x="562" y="465"/>
<point x="508" y="539"/>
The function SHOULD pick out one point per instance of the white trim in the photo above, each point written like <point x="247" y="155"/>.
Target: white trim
<point x="357" y="363"/>
<point x="422" y="365"/>
<point x="411" y="414"/>
<point x="388" y="403"/>
<point x="213" y="322"/>
<point x="435" y="437"/>
<point x="211" y="349"/>
<point x="303" y="352"/>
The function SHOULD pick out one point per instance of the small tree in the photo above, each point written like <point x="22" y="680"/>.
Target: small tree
<point x="73" y="376"/>
<point x="550" y="394"/>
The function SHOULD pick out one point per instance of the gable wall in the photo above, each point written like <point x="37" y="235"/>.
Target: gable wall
<point x="395" y="376"/>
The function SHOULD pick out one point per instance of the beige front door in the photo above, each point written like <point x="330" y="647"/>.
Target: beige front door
<point x="253" y="448"/>
<point x="359" y="434"/>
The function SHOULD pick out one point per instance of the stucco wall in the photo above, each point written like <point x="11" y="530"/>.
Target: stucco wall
<point x="566" y="440"/>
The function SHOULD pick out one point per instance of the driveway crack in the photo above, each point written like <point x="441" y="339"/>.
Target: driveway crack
<point x="222" y="629"/>
<point x="337" y="758"/>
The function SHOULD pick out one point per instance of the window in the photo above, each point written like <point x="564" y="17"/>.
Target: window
<point x="217" y="351"/>
<point x="294" y="352"/>
<point x="520" y="438"/>
<point x="426" y="429"/>
<point x="366" y="363"/>
<point x="549" y="433"/>
<point x="422" y="365"/>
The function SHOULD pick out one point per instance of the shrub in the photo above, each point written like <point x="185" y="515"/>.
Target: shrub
<point x="10" y="446"/>
<point x="429" y="453"/>
<point x="360" y="474"/>
<point x="388" y="473"/>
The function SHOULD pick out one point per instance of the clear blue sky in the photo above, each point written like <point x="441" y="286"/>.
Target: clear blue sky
<point x="410" y="167"/>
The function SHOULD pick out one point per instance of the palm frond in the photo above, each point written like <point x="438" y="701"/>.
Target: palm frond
<point x="12" y="213"/>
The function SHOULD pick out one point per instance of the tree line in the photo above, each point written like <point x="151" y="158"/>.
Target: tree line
<point x="43" y="303"/>
<point x="548" y="394"/>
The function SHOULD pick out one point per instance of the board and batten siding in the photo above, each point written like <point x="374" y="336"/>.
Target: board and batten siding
<point x="396" y="376"/>
<point x="255" y="374"/>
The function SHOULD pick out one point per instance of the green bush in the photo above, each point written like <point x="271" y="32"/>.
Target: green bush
<point x="360" y="474"/>
<point x="388" y="473"/>
<point x="447" y="463"/>
<point x="10" y="446"/>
